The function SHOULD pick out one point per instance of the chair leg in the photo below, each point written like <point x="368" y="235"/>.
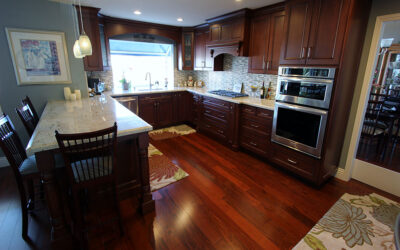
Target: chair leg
<point x="78" y="221"/>
<point x="118" y="210"/>
<point x="31" y="195"/>
<point x="24" y="210"/>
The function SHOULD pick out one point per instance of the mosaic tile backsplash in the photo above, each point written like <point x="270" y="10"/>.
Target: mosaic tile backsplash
<point x="235" y="72"/>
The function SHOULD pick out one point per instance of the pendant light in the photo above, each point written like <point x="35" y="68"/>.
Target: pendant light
<point x="85" y="46"/>
<point x="76" y="49"/>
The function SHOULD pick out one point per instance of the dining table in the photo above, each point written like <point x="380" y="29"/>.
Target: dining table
<point x="81" y="116"/>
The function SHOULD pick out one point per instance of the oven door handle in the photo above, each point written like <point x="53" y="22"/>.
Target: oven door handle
<point x="305" y="80"/>
<point x="301" y="108"/>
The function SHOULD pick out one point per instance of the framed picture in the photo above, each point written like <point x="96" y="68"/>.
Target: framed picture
<point x="39" y="57"/>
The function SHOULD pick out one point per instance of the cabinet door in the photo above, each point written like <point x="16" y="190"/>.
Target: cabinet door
<point x="199" y="50"/>
<point x="258" y="44"/>
<point x="147" y="110"/>
<point x="276" y="35"/>
<point x="164" y="111"/>
<point x="327" y="32"/>
<point x="187" y="50"/>
<point x="296" y="32"/>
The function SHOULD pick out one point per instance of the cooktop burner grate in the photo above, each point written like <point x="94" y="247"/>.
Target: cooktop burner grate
<point x="227" y="93"/>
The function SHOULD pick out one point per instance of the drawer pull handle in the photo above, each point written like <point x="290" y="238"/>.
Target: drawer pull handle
<point x="254" y="126"/>
<point x="221" y="116"/>
<point x="254" y="144"/>
<point x="208" y="126"/>
<point x="248" y="110"/>
<point x="220" y="131"/>
<point x="208" y="112"/>
<point x="291" y="161"/>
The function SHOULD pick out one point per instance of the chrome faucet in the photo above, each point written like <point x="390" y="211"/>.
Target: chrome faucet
<point x="149" y="74"/>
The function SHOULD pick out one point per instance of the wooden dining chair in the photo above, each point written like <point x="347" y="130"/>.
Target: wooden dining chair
<point x="28" y="118"/>
<point x="27" y="101"/>
<point x="90" y="159"/>
<point x="24" y="168"/>
<point x="373" y="127"/>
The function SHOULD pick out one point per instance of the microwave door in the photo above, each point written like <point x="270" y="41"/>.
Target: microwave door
<point x="300" y="128"/>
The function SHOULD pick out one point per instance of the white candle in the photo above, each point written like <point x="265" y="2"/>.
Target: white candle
<point x="72" y="97"/>
<point x="67" y="93"/>
<point x="78" y="94"/>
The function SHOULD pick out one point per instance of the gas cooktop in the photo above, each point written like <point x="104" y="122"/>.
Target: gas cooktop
<point x="227" y="93"/>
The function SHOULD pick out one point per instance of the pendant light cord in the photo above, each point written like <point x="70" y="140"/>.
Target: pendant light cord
<point x="74" y="18"/>
<point x="80" y="10"/>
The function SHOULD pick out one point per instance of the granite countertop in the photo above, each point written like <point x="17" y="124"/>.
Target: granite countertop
<point x="252" y="101"/>
<point x="88" y="114"/>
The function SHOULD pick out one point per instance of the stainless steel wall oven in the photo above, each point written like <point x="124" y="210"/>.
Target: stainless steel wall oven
<point x="301" y="109"/>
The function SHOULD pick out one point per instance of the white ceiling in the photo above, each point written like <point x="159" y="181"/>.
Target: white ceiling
<point x="193" y="12"/>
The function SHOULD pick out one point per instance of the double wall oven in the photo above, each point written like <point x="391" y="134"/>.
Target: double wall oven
<point x="301" y="110"/>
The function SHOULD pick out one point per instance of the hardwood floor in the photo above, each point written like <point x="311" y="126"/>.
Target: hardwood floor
<point x="230" y="200"/>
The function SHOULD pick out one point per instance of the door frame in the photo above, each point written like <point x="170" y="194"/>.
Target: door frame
<point x="370" y="170"/>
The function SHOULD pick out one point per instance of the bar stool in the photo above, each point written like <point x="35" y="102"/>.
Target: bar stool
<point x="90" y="159"/>
<point x="28" y="118"/>
<point x="24" y="168"/>
<point x="27" y="101"/>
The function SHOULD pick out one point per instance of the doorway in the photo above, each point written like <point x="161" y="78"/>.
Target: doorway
<point x="375" y="158"/>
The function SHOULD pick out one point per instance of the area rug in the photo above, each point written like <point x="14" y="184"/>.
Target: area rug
<point x="161" y="170"/>
<point x="355" y="222"/>
<point x="171" y="132"/>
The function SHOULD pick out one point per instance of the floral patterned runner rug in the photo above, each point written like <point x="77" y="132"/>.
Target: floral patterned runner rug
<point x="161" y="170"/>
<point x="171" y="132"/>
<point x="355" y="222"/>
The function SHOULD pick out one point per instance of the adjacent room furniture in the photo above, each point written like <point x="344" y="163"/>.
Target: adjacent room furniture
<point x="90" y="159"/>
<point x="25" y="169"/>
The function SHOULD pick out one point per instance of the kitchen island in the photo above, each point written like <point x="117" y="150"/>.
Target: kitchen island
<point x="90" y="114"/>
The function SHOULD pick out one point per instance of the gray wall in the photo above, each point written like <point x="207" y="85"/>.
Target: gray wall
<point x="379" y="8"/>
<point x="40" y="15"/>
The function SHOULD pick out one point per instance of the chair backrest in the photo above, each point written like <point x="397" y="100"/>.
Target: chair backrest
<point x="89" y="157"/>
<point x="27" y="101"/>
<point x="11" y="144"/>
<point x="27" y="118"/>
<point x="371" y="121"/>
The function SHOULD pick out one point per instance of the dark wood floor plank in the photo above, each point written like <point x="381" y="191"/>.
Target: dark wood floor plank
<point x="230" y="200"/>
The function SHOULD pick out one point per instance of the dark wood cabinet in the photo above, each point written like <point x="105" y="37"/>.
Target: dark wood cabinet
<point x="265" y="43"/>
<point x="181" y="106"/>
<point x="187" y="50"/>
<point x="200" y="39"/>
<point x="219" y="119"/>
<point x="92" y="29"/>
<point x="255" y="125"/>
<point x="157" y="110"/>
<point x="314" y="32"/>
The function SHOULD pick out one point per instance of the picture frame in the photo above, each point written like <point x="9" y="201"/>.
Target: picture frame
<point x="39" y="57"/>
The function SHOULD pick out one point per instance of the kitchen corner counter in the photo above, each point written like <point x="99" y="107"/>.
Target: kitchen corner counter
<point x="252" y="101"/>
<point x="88" y="114"/>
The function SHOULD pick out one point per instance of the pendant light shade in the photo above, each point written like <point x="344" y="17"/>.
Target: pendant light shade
<point x="85" y="45"/>
<point x="77" y="50"/>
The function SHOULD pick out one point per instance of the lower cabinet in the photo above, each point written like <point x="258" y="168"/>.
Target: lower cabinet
<point x="157" y="109"/>
<point x="219" y="119"/>
<point x="255" y="130"/>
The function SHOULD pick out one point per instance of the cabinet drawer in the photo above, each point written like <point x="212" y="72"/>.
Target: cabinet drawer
<point x="215" y="113"/>
<point x="258" y="145"/>
<point x="257" y="113"/>
<point x="295" y="161"/>
<point x="218" y="104"/>
<point x="214" y="128"/>
<point x="263" y="128"/>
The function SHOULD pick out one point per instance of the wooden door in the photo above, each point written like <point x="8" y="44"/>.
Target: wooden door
<point x="296" y="32"/>
<point x="164" y="111"/>
<point x="258" y="44"/>
<point x="276" y="34"/>
<point x="327" y="32"/>
<point x="147" y="110"/>
<point x="199" y="50"/>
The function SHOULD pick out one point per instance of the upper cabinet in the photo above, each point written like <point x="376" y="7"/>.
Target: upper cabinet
<point x="266" y="36"/>
<point x="187" y="50"/>
<point x="203" y="59"/>
<point x="229" y="34"/>
<point x="314" y="32"/>
<point x="92" y="29"/>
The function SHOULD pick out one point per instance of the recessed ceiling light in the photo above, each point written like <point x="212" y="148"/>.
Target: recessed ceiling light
<point x="180" y="19"/>
<point x="137" y="12"/>
<point x="238" y="0"/>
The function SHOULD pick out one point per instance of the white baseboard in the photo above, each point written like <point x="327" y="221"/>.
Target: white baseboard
<point x="340" y="174"/>
<point x="3" y="162"/>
